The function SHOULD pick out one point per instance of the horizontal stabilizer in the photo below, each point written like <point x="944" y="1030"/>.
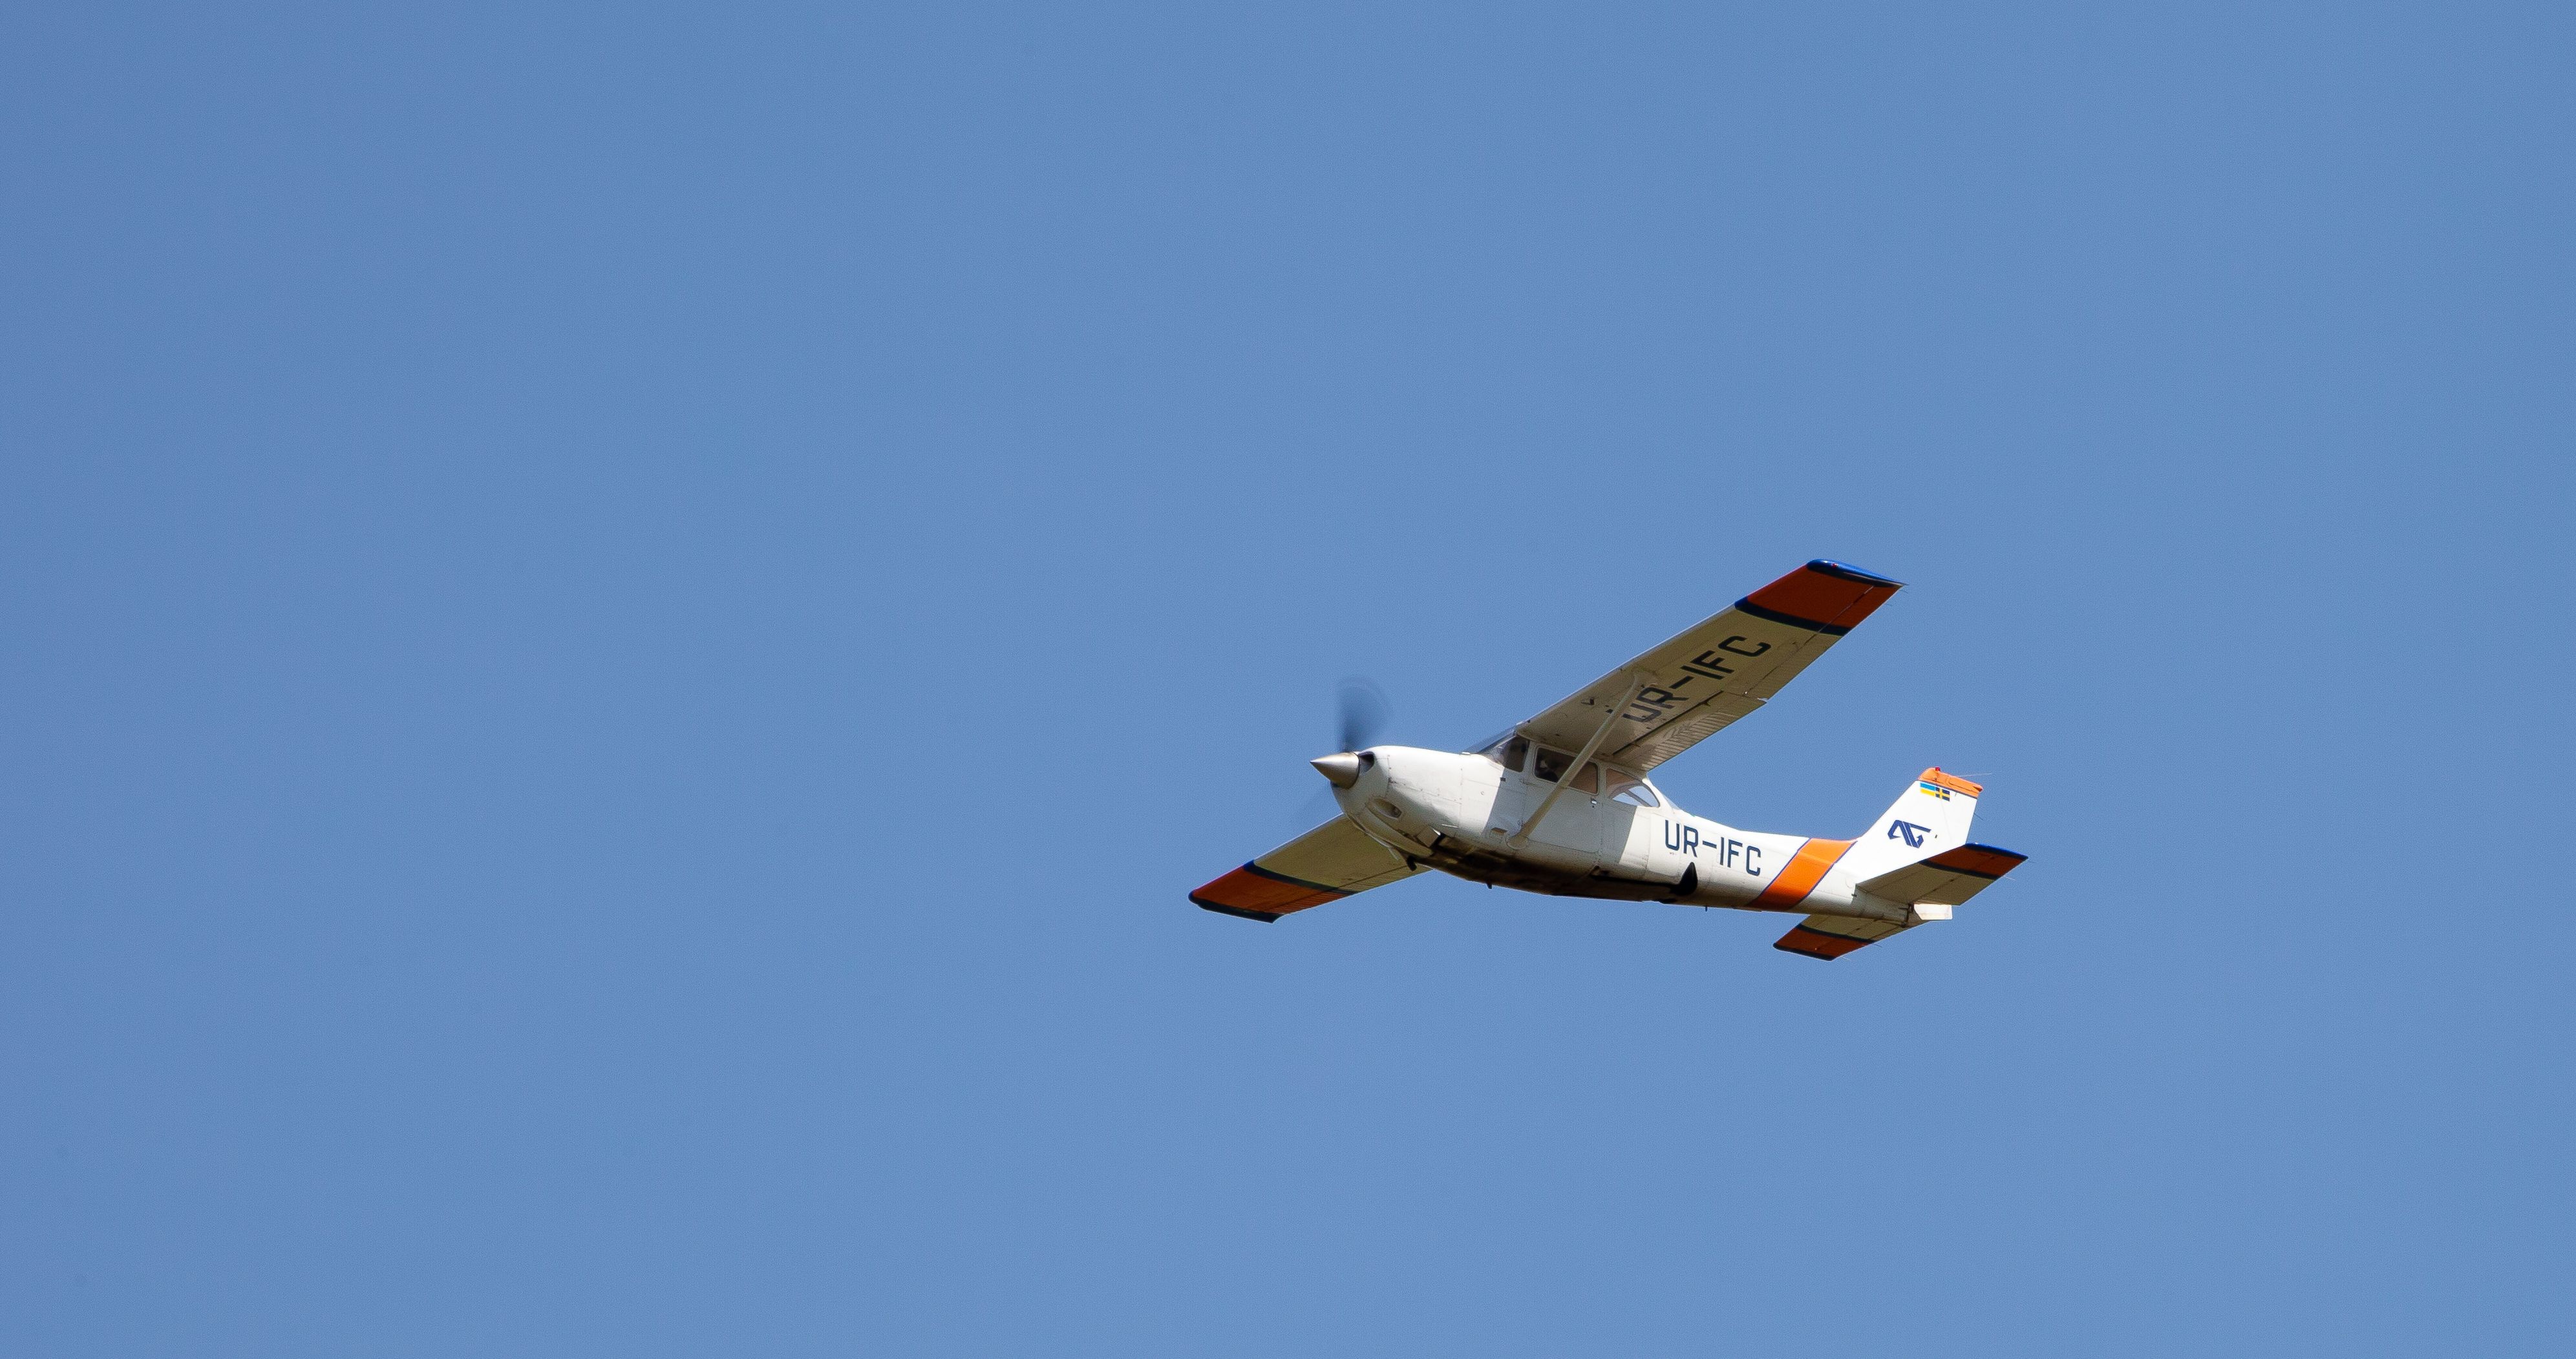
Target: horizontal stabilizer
<point x="1930" y="886"/>
<point x="1947" y="878"/>
<point x="1831" y="936"/>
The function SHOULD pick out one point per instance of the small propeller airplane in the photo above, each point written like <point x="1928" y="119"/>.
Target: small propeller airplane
<point x="1561" y="804"/>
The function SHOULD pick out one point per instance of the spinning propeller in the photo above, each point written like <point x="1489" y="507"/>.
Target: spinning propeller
<point x="1364" y="714"/>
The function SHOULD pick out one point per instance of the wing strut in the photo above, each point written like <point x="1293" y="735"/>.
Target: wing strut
<point x="1636" y="685"/>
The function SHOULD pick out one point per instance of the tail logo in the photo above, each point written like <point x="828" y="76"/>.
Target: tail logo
<point x="1914" y="834"/>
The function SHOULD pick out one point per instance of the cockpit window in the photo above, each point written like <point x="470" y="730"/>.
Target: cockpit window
<point x="1551" y="767"/>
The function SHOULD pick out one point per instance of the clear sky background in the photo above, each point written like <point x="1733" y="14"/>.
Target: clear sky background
<point x="627" y="628"/>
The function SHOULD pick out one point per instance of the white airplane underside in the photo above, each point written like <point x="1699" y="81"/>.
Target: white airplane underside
<point x="1561" y="804"/>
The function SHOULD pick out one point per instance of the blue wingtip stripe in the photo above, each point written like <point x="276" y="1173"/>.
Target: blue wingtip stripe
<point x="1852" y="573"/>
<point x="1258" y="871"/>
<point x="1775" y="616"/>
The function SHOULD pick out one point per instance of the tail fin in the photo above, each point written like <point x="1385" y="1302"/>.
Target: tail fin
<point x="1931" y="816"/>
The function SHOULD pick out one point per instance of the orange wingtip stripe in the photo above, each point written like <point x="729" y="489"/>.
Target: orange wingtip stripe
<point x="1800" y="875"/>
<point x="1249" y="889"/>
<point x="1985" y="861"/>
<point x="1818" y="944"/>
<point x="1953" y="782"/>
<point x="1822" y="596"/>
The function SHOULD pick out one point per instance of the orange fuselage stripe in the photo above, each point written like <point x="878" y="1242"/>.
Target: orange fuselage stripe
<point x="1800" y="875"/>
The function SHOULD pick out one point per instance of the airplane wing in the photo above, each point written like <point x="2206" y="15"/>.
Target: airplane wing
<point x="1328" y="863"/>
<point x="1715" y="672"/>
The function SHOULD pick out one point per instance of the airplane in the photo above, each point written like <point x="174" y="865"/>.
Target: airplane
<point x="1561" y="804"/>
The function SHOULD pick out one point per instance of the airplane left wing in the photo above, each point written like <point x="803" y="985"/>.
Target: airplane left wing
<point x="1687" y="689"/>
<point x="1328" y="863"/>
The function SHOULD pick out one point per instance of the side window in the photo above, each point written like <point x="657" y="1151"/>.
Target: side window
<point x="1589" y="780"/>
<point x="1633" y="791"/>
<point x="1551" y="764"/>
<point x="1516" y="754"/>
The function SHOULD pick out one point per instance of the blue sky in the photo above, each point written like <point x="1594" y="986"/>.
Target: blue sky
<point x="629" y="628"/>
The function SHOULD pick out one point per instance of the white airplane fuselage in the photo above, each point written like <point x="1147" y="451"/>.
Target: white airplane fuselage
<point x="1467" y="815"/>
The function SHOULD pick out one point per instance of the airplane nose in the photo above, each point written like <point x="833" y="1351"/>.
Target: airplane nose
<point x="1343" y="769"/>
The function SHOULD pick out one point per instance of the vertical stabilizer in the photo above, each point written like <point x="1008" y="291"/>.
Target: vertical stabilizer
<point x="1930" y="816"/>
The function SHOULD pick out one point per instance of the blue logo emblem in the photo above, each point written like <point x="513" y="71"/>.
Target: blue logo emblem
<point x="1913" y="834"/>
